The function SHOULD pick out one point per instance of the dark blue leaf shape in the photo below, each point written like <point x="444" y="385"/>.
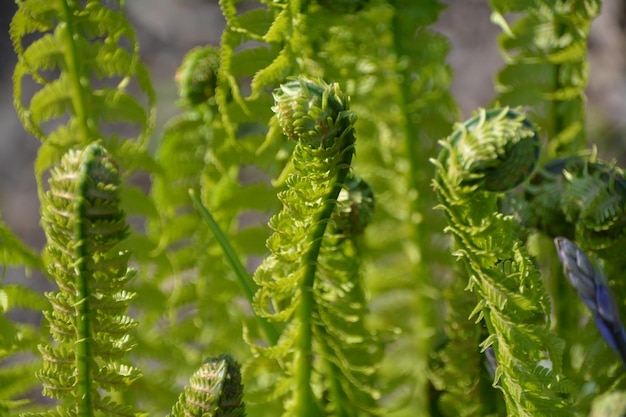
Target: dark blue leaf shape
<point x="591" y="286"/>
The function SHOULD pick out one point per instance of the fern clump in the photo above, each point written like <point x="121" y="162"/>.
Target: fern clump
<point x="84" y="226"/>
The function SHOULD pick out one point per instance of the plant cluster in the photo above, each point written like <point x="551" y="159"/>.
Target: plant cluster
<point x="286" y="258"/>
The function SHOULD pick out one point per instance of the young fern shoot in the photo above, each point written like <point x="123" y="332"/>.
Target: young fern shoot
<point x="84" y="225"/>
<point x="489" y="154"/>
<point x="214" y="390"/>
<point x="311" y="280"/>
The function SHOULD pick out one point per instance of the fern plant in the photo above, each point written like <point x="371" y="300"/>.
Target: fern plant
<point x="491" y="153"/>
<point x="310" y="282"/>
<point x="355" y="310"/>
<point x="84" y="225"/>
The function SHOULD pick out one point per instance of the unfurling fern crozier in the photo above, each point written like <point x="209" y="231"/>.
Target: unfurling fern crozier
<point x="311" y="282"/>
<point x="84" y="224"/>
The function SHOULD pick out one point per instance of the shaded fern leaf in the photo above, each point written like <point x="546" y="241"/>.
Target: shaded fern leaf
<point x="84" y="226"/>
<point x="545" y="51"/>
<point x="580" y="198"/>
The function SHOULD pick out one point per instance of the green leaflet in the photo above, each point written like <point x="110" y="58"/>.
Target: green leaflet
<point x="84" y="42"/>
<point x="511" y="298"/>
<point x="84" y="226"/>
<point x="310" y="281"/>
<point x="545" y="51"/>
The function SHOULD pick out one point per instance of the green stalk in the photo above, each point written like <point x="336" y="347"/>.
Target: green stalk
<point x="79" y="81"/>
<point x="304" y="393"/>
<point x="84" y="387"/>
<point x="245" y="281"/>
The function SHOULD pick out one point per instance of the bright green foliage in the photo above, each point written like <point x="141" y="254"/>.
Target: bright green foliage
<point x="394" y="69"/>
<point x="185" y="272"/>
<point x="332" y="259"/>
<point x="545" y="51"/>
<point x="311" y="281"/>
<point x="84" y="42"/>
<point x="214" y="390"/>
<point x="84" y="225"/>
<point x="511" y="299"/>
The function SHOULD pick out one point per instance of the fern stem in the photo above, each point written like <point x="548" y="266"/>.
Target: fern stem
<point x="304" y="393"/>
<point x="78" y="80"/>
<point x="247" y="285"/>
<point x="83" y="341"/>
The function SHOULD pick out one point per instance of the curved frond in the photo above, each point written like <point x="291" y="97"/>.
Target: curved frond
<point x="502" y="275"/>
<point x="84" y="69"/>
<point x="84" y="226"/>
<point x="310" y="281"/>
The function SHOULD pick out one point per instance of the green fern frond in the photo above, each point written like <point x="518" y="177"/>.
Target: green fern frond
<point x="580" y="198"/>
<point x="502" y="274"/>
<point x="84" y="226"/>
<point x="310" y="282"/>
<point x="394" y="47"/>
<point x="545" y="51"/>
<point x="84" y="42"/>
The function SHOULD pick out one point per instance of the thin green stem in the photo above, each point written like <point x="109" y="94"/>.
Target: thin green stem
<point x="304" y="394"/>
<point x="79" y="81"/>
<point x="84" y="387"/>
<point x="245" y="281"/>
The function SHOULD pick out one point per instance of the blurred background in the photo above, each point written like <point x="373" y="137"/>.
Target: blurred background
<point x="167" y="29"/>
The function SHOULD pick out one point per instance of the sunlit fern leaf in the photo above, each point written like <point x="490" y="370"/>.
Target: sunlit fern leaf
<point x="78" y="43"/>
<point x="395" y="48"/>
<point x="311" y="280"/>
<point x="84" y="226"/>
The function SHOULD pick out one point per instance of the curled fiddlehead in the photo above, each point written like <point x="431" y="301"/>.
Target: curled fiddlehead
<point x="495" y="150"/>
<point x="511" y="298"/>
<point x="84" y="225"/>
<point x="197" y="76"/>
<point x="214" y="390"/>
<point x="310" y="281"/>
